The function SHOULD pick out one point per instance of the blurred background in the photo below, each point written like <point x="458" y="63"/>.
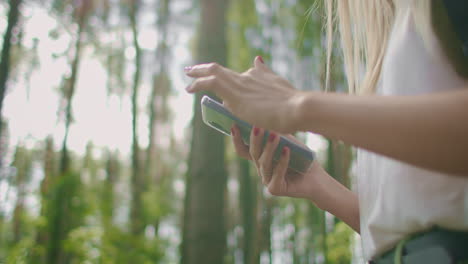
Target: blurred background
<point x="104" y="157"/>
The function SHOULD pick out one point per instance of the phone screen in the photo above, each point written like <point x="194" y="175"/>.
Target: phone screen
<point x="218" y="117"/>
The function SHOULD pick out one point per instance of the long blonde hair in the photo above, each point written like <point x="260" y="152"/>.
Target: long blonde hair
<point x="365" y="27"/>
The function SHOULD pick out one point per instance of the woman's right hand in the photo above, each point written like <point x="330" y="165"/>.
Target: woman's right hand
<point x="276" y="176"/>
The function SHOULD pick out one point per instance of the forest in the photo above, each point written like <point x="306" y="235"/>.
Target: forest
<point x="104" y="157"/>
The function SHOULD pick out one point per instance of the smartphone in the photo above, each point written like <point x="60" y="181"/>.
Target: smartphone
<point x="218" y="117"/>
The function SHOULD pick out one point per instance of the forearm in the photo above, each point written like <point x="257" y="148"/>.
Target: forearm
<point x="337" y="200"/>
<point x="430" y="131"/>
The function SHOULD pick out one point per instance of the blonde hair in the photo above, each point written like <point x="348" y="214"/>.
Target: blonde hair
<point x="365" y="27"/>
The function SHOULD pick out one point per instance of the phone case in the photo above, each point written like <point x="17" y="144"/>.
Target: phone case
<point x="218" y="117"/>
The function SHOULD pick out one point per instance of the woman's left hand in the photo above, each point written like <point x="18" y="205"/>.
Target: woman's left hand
<point x="258" y="96"/>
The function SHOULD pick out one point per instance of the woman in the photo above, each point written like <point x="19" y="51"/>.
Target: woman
<point x="409" y="122"/>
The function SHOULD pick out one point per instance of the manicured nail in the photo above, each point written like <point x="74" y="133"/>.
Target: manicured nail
<point x="261" y="59"/>
<point x="284" y="151"/>
<point x="188" y="68"/>
<point x="272" y="137"/>
<point x="256" y="131"/>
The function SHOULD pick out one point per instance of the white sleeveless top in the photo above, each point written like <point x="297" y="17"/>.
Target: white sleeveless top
<point x="397" y="199"/>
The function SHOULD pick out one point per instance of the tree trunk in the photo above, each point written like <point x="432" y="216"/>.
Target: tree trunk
<point x="61" y="216"/>
<point x="324" y="238"/>
<point x="23" y="164"/>
<point x="69" y="92"/>
<point x="13" y="15"/>
<point x="38" y="255"/>
<point x="204" y="219"/>
<point x="112" y="174"/>
<point x="160" y="89"/>
<point x="248" y="202"/>
<point x="137" y="223"/>
<point x="314" y="217"/>
<point x="267" y="222"/>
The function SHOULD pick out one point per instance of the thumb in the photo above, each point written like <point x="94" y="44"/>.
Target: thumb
<point x="259" y="63"/>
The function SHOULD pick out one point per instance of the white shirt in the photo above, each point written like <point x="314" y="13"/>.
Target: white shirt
<point x="397" y="199"/>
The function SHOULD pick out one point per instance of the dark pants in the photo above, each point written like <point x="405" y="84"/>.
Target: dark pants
<point x="437" y="246"/>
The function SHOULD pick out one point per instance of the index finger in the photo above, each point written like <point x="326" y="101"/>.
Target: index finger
<point x="204" y="70"/>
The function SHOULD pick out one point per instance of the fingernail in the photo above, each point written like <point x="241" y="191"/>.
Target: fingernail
<point x="284" y="151"/>
<point x="188" y="88"/>
<point x="256" y="131"/>
<point x="188" y="68"/>
<point x="261" y="59"/>
<point x="272" y="137"/>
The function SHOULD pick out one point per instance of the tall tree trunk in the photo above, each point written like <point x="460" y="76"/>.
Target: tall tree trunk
<point x="50" y="170"/>
<point x="160" y="89"/>
<point x="137" y="223"/>
<point x="160" y="79"/>
<point x="4" y="140"/>
<point x="295" y="235"/>
<point x="248" y="202"/>
<point x="313" y="222"/>
<point x="22" y="162"/>
<point x="69" y="91"/>
<point x="267" y="220"/>
<point x="204" y="220"/>
<point x="13" y="15"/>
<point x="324" y="237"/>
<point x="112" y="174"/>
<point x="60" y="212"/>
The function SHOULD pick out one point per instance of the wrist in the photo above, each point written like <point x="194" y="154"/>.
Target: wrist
<point x="301" y="110"/>
<point x="319" y="187"/>
<point x="331" y="196"/>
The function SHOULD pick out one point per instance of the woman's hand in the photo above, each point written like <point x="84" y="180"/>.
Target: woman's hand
<point x="258" y="96"/>
<point x="315" y="185"/>
<point x="279" y="180"/>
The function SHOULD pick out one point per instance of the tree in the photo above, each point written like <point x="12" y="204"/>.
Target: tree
<point x="248" y="202"/>
<point x="137" y="224"/>
<point x="158" y="104"/>
<point x="243" y="18"/>
<point x="112" y="168"/>
<point x="204" y="220"/>
<point x="49" y="165"/>
<point x="81" y="14"/>
<point x="23" y="164"/>
<point x="65" y="207"/>
<point x="13" y="16"/>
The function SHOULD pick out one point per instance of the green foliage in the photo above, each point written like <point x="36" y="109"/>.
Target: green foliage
<point x="309" y="27"/>
<point x="157" y="201"/>
<point x="94" y="245"/>
<point x="242" y="19"/>
<point x="19" y="253"/>
<point x="22" y="162"/>
<point x="340" y="244"/>
<point x="121" y="248"/>
<point x="84" y="243"/>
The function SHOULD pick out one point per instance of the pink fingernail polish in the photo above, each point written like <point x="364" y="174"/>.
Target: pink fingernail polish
<point x="256" y="131"/>
<point x="272" y="137"/>
<point x="188" y="68"/>
<point x="261" y="59"/>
